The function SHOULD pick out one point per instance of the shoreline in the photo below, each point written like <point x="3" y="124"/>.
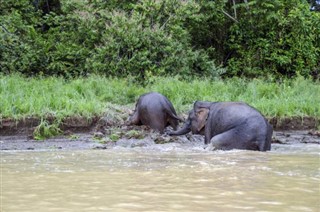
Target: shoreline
<point x="107" y="133"/>
<point x="149" y="141"/>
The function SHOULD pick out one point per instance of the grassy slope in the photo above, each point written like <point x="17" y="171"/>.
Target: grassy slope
<point x="21" y="97"/>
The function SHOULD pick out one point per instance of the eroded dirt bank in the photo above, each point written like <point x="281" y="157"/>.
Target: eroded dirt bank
<point x="78" y="124"/>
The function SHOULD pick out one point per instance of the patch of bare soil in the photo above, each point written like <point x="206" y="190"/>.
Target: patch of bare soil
<point x="296" y="136"/>
<point x="104" y="133"/>
<point x="27" y="126"/>
<point x="78" y="124"/>
<point x="295" y="123"/>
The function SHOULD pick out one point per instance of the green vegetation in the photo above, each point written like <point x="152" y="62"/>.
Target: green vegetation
<point x="149" y="38"/>
<point x="67" y="58"/>
<point x="46" y="130"/>
<point x="93" y="96"/>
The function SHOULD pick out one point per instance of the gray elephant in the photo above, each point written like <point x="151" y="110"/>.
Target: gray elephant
<point x="156" y="111"/>
<point x="228" y="125"/>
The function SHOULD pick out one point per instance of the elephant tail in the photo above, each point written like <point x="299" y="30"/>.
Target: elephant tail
<point x="265" y="144"/>
<point x="269" y="136"/>
<point x="172" y="115"/>
<point x="169" y="109"/>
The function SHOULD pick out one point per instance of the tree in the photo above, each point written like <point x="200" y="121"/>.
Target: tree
<point x="274" y="37"/>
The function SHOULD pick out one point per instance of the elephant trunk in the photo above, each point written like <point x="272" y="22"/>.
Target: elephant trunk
<point x="133" y="119"/>
<point x="184" y="130"/>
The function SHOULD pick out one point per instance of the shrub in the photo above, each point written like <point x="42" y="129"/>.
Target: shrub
<point x="148" y="38"/>
<point x="151" y="41"/>
<point x="275" y="37"/>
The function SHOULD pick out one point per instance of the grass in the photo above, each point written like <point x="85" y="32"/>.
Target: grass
<point x="297" y="97"/>
<point x="21" y="97"/>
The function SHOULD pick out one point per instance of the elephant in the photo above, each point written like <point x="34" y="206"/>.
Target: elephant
<point x="156" y="111"/>
<point x="228" y="125"/>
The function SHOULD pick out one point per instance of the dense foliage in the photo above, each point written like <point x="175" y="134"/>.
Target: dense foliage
<point x="147" y="38"/>
<point x="281" y="37"/>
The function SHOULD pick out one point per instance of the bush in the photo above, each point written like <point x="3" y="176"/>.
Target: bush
<point x="151" y="41"/>
<point x="275" y="37"/>
<point x="148" y="38"/>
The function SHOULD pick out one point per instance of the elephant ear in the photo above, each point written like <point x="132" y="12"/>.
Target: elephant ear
<point x="202" y="115"/>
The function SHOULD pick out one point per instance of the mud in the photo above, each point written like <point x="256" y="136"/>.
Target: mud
<point x="132" y="138"/>
<point x="105" y="133"/>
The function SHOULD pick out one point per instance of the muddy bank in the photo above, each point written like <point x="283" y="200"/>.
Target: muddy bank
<point x="133" y="138"/>
<point x="27" y="126"/>
<point x="103" y="133"/>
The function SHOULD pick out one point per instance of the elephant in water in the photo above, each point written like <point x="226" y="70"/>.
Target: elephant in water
<point x="228" y="125"/>
<point x="156" y="111"/>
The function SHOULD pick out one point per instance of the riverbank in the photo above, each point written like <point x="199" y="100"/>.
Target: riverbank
<point x="46" y="107"/>
<point x="146" y="139"/>
<point x="29" y="126"/>
<point x="105" y="133"/>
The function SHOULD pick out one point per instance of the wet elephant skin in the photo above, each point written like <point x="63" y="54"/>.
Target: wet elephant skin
<point x="156" y="111"/>
<point x="228" y="125"/>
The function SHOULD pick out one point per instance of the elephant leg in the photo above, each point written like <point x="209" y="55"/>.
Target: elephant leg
<point x="173" y="123"/>
<point x="134" y="119"/>
<point x="231" y="139"/>
<point x="157" y="125"/>
<point x="221" y="141"/>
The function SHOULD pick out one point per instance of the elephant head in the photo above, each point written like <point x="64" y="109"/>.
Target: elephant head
<point x="201" y="113"/>
<point x="133" y="119"/>
<point x="196" y="120"/>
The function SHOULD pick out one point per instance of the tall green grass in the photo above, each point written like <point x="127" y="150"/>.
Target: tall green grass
<point x="87" y="97"/>
<point x="296" y="97"/>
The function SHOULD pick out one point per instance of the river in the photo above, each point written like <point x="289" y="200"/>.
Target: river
<point x="165" y="178"/>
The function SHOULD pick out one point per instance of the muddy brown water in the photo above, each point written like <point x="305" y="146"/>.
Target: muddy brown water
<point x="84" y="174"/>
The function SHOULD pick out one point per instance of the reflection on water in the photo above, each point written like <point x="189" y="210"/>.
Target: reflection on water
<point x="285" y="179"/>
